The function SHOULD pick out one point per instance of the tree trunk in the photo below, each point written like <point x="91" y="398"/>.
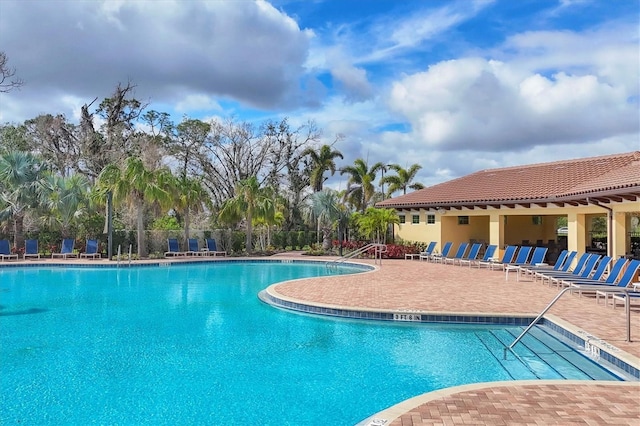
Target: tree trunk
<point x="140" y="228"/>
<point x="18" y="231"/>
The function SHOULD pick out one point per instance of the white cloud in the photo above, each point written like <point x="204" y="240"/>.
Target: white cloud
<point x="489" y="105"/>
<point x="197" y="102"/>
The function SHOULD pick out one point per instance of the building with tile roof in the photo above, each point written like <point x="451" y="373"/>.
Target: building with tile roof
<point x="523" y="204"/>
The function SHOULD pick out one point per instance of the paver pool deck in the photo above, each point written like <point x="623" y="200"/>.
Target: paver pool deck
<point x="413" y="285"/>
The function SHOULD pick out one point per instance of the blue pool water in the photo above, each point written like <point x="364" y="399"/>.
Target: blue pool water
<point x="192" y="344"/>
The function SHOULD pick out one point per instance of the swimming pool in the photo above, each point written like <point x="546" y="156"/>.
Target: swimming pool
<point x="192" y="344"/>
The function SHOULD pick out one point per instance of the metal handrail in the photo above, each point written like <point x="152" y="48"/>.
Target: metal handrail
<point x="616" y="289"/>
<point x="379" y="249"/>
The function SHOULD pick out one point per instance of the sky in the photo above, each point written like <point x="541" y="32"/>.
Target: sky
<point x="455" y="86"/>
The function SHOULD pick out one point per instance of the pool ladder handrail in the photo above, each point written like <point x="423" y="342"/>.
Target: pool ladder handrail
<point x="613" y="289"/>
<point x="379" y="249"/>
<point x="120" y="250"/>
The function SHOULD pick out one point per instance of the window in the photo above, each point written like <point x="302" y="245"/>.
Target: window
<point x="537" y="220"/>
<point x="463" y="220"/>
<point x="431" y="218"/>
<point x="415" y="218"/>
<point x="402" y="218"/>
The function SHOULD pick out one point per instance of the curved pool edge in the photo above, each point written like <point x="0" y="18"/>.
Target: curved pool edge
<point x="608" y="355"/>
<point x="530" y="400"/>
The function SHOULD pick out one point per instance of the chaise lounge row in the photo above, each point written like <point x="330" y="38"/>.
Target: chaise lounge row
<point x="31" y="250"/>
<point x="210" y="249"/>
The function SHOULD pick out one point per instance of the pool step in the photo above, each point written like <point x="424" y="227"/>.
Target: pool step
<point x="537" y="352"/>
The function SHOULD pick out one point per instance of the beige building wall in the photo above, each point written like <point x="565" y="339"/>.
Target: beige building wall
<point x="504" y="226"/>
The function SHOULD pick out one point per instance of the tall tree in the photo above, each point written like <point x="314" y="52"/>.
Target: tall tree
<point x="360" y="187"/>
<point x="402" y="179"/>
<point x="66" y="198"/>
<point x="135" y="185"/>
<point x="322" y="160"/>
<point x="190" y="197"/>
<point x="249" y="202"/>
<point x="21" y="177"/>
<point x="326" y="208"/>
<point x="7" y="83"/>
<point x="54" y="139"/>
<point x="374" y="223"/>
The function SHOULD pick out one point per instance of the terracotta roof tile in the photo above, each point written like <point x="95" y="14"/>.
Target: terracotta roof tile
<point x="543" y="181"/>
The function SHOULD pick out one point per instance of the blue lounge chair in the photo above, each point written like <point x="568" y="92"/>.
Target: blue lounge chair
<point x="5" y="251"/>
<point x="537" y="258"/>
<point x="436" y="257"/>
<point x="194" y="248"/>
<point x="596" y="276"/>
<point x="488" y="255"/>
<point x="472" y="255"/>
<point x="173" y="248"/>
<point x="521" y="258"/>
<point x="31" y="249"/>
<point x="66" y="250"/>
<point x="428" y="251"/>
<point x="625" y="280"/>
<point x="507" y="257"/>
<point x="613" y="276"/>
<point x="462" y="248"/>
<point x="562" y="257"/>
<point x="91" y="250"/>
<point x="212" y="248"/>
<point x="566" y="268"/>
<point x="583" y="269"/>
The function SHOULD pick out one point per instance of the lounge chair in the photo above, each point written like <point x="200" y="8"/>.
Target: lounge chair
<point x="537" y="258"/>
<point x="212" y="248"/>
<point x="436" y="257"/>
<point x="488" y="255"/>
<point x="427" y="251"/>
<point x="5" y="251"/>
<point x="31" y="249"/>
<point x="566" y="268"/>
<point x="173" y="248"/>
<point x="560" y="261"/>
<point x="596" y="276"/>
<point x="91" y="250"/>
<point x="613" y="277"/>
<point x="507" y="257"/>
<point x="66" y="250"/>
<point x="581" y="271"/>
<point x="472" y="255"/>
<point x="633" y="266"/>
<point x="194" y="248"/>
<point x="462" y="248"/>
<point x="521" y="258"/>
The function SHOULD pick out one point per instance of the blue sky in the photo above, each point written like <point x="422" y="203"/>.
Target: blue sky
<point x="456" y="86"/>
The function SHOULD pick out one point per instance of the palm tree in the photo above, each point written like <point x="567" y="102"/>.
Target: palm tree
<point x="249" y="202"/>
<point x="321" y="161"/>
<point x="21" y="175"/>
<point x="67" y="198"/>
<point x="326" y="207"/>
<point x="402" y="180"/>
<point x="375" y="222"/>
<point x="360" y="187"/>
<point x="190" y="197"/>
<point x="136" y="185"/>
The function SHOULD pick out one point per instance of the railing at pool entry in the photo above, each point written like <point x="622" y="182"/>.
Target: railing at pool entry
<point x="378" y="250"/>
<point x="594" y="288"/>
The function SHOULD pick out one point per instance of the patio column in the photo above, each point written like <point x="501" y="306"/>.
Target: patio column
<point x="496" y="231"/>
<point x="576" y="237"/>
<point x="620" y="223"/>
